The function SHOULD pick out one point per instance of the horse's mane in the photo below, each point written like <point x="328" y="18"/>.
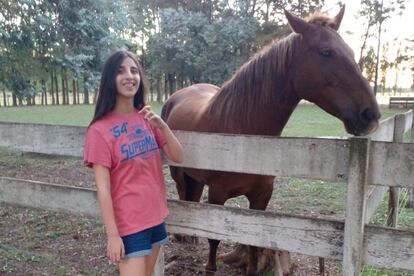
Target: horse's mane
<point x="260" y="80"/>
<point x="256" y="81"/>
<point x="321" y="18"/>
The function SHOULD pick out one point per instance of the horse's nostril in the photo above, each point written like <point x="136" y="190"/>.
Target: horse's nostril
<point x="368" y="115"/>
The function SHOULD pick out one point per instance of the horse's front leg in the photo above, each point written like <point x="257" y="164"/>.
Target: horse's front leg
<point x="219" y="197"/>
<point x="258" y="199"/>
<point x="211" y="265"/>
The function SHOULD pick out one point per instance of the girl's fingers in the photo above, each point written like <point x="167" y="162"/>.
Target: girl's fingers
<point x="149" y="116"/>
<point x="122" y="251"/>
<point x="145" y="109"/>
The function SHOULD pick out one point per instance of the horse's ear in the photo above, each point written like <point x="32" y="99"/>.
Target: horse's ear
<point x="298" y="25"/>
<point x="338" y="18"/>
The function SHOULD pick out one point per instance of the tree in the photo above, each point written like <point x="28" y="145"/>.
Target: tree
<point x="376" y="13"/>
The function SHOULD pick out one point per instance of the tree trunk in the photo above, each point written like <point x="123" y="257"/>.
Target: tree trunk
<point x="151" y="91"/>
<point x="158" y="88"/>
<point x="44" y="93"/>
<point x="4" y="97"/>
<point x="77" y="91"/>
<point x="85" y="92"/>
<point x="52" y="90"/>
<point x="64" y="88"/>
<point x="95" y="96"/>
<point x="378" y="51"/>
<point x="42" y="96"/>
<point x="165" y="87"/>
<point x="361" y="50"/>
<point x="67" y="87"/>
<point x="57" y="88"/>
<point x="74" y="91"/>
<point x="14" y="98"/>
<point x="397" y="63"/>
<point x="171" y="83"/>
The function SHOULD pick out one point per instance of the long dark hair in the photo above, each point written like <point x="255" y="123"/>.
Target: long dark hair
<point x="107" y="88"/>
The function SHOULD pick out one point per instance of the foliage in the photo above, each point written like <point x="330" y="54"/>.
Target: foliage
<point x="179" y="42"/>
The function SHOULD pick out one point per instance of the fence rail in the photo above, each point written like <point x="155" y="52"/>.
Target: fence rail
<point x="385" y="247"/>
<point x="361" y="162"/>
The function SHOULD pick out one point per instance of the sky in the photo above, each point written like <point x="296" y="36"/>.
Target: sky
<point x="400" y="27"/>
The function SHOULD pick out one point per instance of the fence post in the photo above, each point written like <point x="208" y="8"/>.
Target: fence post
<point x="394" y="192"/>
<point x="355" y="205"/>
<point x="411" y="191"/>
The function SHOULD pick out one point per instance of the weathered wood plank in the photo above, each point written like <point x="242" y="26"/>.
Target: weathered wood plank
<point x="309" y="158"/>
<point x="389" y="248"/>
<point x="385" y="131"/>
<point x="324" y="159"/>
<point x="410" y="202"/>
<point x="40" y="138"/>
<point x="375" y="196"/>
<point x="311" y="236"/>
<point x="408" y="120"/>
<point x="394" y="192"/>
<point x="34" y="194"/>
<point x="355" y="205"/>
<point x="299" y="234"/>
<point x="392" y="164"/>
<point x="296" y="157"/>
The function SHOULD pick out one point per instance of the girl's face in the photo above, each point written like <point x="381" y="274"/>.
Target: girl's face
<point x="127" y="79"/>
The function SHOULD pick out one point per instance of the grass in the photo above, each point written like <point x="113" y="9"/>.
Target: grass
<point x="307" y="120"/>
<point x="310" y="121"/>
<point x="75" y="115"/>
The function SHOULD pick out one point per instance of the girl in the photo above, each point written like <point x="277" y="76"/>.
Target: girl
<point x="122" y="146"/>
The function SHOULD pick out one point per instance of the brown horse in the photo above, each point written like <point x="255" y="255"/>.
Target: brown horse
<point x="314" y="64"/>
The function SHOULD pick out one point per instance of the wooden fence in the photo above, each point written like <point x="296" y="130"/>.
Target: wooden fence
<point x="367" y="165"/>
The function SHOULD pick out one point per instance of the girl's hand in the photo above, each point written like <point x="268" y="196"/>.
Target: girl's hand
<point x="115" y="249"/>
<point x="154" y="120"/>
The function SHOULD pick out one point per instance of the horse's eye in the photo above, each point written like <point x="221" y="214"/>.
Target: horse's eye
<point x="325" y="52"/>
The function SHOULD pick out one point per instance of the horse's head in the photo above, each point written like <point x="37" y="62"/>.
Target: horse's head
<point x="324" y="72"/>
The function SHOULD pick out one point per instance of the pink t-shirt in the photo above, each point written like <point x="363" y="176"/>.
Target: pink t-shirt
<point x="130" y="148"/>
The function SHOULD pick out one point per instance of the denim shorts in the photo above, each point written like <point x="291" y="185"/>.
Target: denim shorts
<point x="141" y="243"/>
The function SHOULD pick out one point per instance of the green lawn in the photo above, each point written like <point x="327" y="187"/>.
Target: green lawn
<point x="307" y="120"/>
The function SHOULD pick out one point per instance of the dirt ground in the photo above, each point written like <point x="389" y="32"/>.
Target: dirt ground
<point x="38" y="242"/>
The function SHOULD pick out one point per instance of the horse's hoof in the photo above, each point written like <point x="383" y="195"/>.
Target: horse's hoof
<point x="238" y="255"/>
<point x="210" y="269"/>
<point x="252" y="273"/>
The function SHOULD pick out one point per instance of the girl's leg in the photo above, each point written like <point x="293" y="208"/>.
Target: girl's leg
<point x="133" y="266"/>
<point x="151" y="259"/>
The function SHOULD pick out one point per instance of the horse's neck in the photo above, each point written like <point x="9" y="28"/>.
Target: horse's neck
<point x="263" y="119"/>
<point x="259" y="98"/>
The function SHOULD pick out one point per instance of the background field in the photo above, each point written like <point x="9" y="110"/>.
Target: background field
<point x="307" y="119"/>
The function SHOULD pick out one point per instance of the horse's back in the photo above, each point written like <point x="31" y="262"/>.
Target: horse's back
<point x="186" y="107"/>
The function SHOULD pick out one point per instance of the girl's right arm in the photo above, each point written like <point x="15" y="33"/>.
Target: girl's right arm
<point x="115" y="246"/>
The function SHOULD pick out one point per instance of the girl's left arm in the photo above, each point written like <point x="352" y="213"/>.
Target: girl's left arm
<point x="172" y="146"/>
